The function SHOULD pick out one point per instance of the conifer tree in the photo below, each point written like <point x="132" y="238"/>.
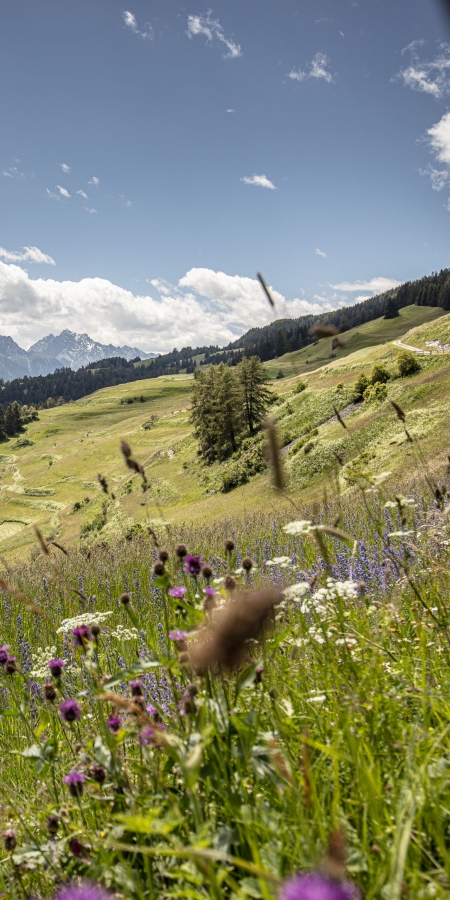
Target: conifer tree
<point x="390" y="309"/>
<point x="255" y="395"/>
<point x="13" y="420"/>
<point x="2" y="423"/>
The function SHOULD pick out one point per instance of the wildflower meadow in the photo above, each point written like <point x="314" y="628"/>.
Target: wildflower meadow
<point x="259" y="713"/>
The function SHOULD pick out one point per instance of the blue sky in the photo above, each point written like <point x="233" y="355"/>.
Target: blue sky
<point x="156" y="155"/>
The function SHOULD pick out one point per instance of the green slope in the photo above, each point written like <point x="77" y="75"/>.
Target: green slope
<point x="53" y="482"/>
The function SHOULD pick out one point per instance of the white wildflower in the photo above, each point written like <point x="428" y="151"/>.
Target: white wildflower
<point x="400" y="534"/>
<point x="304" y="526"/>
<point x="86" y="618"/>
<point x="283" y="561"/>
<point x="296" y="591"/>
<point x="125" y="634"/>
<point x="42" y="657"/>
<point x="317" y="698"/>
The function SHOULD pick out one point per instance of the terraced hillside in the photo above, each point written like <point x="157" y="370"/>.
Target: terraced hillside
<point x="48" y="476"/>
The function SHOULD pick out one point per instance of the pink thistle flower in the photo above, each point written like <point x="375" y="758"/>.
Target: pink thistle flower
<point x="178" y="592"/>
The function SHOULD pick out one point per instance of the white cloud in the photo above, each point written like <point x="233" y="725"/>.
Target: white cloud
<point x="211" y="28"/>
<point x="317" y="69"/>
<point x="430" y="76"/>
<point x="66" y="169"/>
<point x="52" y="195"/>
<point x="82" y="194"/>
<point x="321" y="253"/>
<point x="62" y="191"/>
<point x="28" y="254"/>
<point x="260" y="181"/>
<point x="375" y="285"/>
<point x="205" y="307"/>
<point x="230" y="110"/>
<point x="439" y="178"/>
<point x="94" y="180"/>
<point x="90" y="209"/>
<point x="131" y="23"/>
<point x="440" y="139"/>
<point x="13" y="172"/>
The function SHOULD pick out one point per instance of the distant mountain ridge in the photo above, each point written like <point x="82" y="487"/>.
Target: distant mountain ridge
<point x="66" y="350"/>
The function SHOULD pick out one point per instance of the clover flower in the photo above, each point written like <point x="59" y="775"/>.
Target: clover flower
<point x="4" y="653"/>
<point x="178" y="592"/>
<point x="56" y="666"/>
<point x="113" y="723"/>
<point x="318" y="887"/>
<point x="75" y="782"/>
<point x="81" y="635"/>
<point x="193" y="565"/>
<point x="69" y="710"/>
<point x="86" y="891"/>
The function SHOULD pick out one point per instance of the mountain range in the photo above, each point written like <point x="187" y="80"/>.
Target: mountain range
<point x="65" y="350"/>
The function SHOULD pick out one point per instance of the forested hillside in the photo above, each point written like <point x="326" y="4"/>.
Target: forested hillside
<point x="281" y="336"/>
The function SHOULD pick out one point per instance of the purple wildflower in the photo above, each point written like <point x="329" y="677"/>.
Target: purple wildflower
<point x="178" y="635"/>
<point x="113" y="724"/>
<point x="81" y="635"/>
<point x="210" y="591"/>
<point x="136" y="688"/>
<point x="85" y="891"/>
<point x="10" y="665"/>
<point x="75" y="781"/>
<point x="147" y="736"/>
<point x="3" y="653"/>
<point x="56" y="666"/>
<point x="193" y="565"/>
<point x="318" y="887"/>
<point x="152" y="711"/>
<point x="178" y="592"/>
<point x="69" y="710"/>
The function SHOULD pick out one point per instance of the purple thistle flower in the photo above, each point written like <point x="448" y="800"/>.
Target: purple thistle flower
<point x="178" y="635"/>
<point x="56" y="666"/>
<point x="3" y="653"/>
<point x="69" y="710"/>
<point x="113" y="724"/>
<point x="193" y="565"/>
<point x="10" y="665"/>
<point x="85" y="891"/>
<point x="178" y="592"/>
<point x="81" y="635"/>
<point x="75" y="782"/>
<point x="147" y="735"/>
<point x="136" y="688"/>
<point x="152" y="711"/>
<point x="318" y="887"/>
<point x="210" y="591"/>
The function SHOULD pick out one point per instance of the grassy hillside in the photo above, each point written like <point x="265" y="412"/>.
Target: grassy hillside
<point x="364" y="336"/>
<point x="48" y="476"/>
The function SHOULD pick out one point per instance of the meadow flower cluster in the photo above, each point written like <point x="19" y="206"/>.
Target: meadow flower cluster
<point x="198" y="724"/>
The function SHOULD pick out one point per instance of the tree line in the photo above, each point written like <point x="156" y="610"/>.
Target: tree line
<point x="281" y="336"/>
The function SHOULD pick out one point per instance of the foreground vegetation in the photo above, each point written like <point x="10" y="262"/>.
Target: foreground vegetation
<point x="153" y="741"/>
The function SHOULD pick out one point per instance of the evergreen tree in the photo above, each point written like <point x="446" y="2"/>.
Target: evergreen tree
<point x="217" y="411"/>
<point x="13" y="421"/>
<point x="2" y="423"/>
<point x="390" y="309"/>
<point x="255" y="395"/>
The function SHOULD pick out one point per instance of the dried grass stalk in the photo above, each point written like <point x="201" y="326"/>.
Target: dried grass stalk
<point x="244" y="618"/>
<point x="265" y="289"/>
<point x="321" y="331"/>
<point x="273" y="455"/>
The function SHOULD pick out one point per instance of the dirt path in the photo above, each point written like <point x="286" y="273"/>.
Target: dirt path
<point x="413" y="349"/>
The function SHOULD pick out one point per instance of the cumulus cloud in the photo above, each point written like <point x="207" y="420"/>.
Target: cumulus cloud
<point x="429" y="76"/>
<point x="211" y="28"/>
<point x="260" y="181"/>
<point x="439" y="178"/>
<point x="28" y="254"/>
<point x="376" y="285"/>
<point x="439" y="136"/>
<point x="82" y="194"/>
<point x="204" y="307"/>
<point x="131" y="23"/>
<point x="62" y="191"/>
<point x="317" y="69"/>
<point x="65" y="168"/>
<point x="94" y="180"/>
<point x="321" y="253"/>
<point x="90" y="209"/>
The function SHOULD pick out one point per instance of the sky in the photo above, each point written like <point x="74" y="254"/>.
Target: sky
<point x="154" y="156"/>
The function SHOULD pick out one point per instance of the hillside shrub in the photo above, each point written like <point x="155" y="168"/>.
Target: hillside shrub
<point x="361" y="384"/>
<point x="407" y="363"/>
<point x="375" y="393"/>
<point x="379" y="374"/>
<point x="300" y="387"/>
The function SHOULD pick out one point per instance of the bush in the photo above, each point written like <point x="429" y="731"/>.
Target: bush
<point x="340" y="386"/>
<point x="299" y="387"/>
<point x="361" y="384"/>
<point x="407" y="363"/>
<point x="308" y="447"/>
<point x="280" y="373"/>
<point x="375" y="393"/>
<point x="379" y="374"/>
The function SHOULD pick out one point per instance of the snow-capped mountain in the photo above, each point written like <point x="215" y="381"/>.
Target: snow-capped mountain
<point x="67" y="349"/>
<point x="76" y="350"/>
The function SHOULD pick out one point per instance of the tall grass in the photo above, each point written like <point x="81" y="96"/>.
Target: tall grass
<point x="221" y="782"/>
